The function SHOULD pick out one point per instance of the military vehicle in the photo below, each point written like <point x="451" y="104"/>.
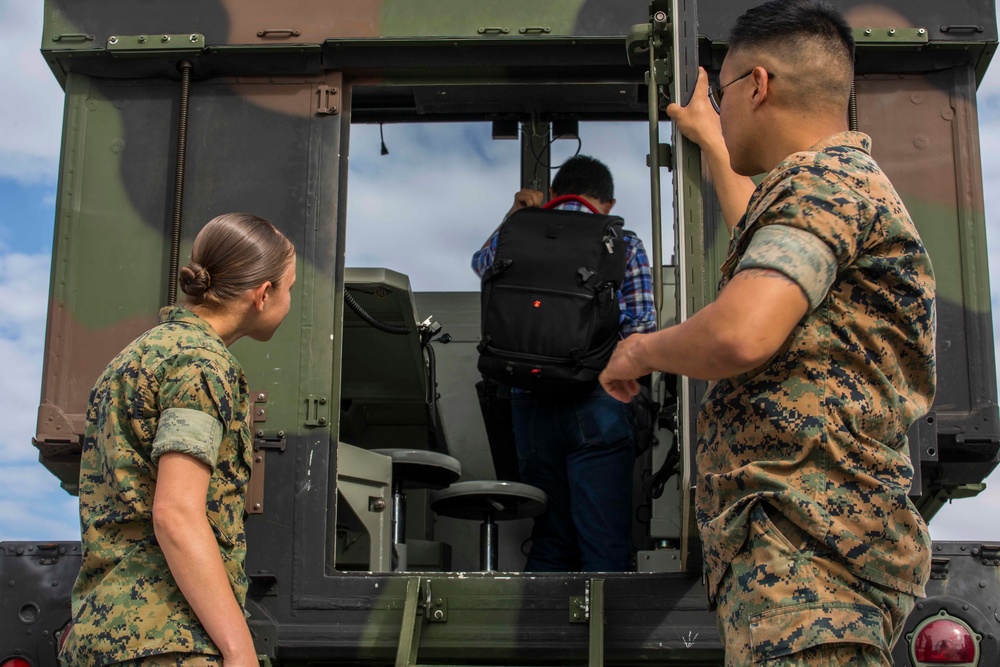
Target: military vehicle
<point x="175" y="112"/>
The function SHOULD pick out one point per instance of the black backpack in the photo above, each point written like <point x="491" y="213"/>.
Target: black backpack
<point x="550" y="312"/>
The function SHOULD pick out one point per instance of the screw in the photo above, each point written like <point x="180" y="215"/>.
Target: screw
<point x="256" y="506"/>
<point x="261" y="397"/>
<point x="660" y="17"/>
<point x="921" y="31"/>
<point x="333" y="110"/>
<point x="438" y="614"/>
<point x="260" y="434"/>
<point x="165" y="39"/>
<point x="281" y="434"/>
<point x="260" y="412"/>
<point x="112" y="40"/>
<point x="258" y="459"/>
<point x="322" y="400"/>
<point x="975" y="551"/>
<point x="322" y="420"/>
<point x="868" y="31"/>
<point x="193" y="38"/>
<point x="142" y="39"/>
<point x="892" y="31"/>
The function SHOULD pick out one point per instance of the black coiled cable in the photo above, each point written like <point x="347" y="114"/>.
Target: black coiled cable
<point x="175" y="229"/>
<point x="378" y="324"/>
<point x="852" y="111"/>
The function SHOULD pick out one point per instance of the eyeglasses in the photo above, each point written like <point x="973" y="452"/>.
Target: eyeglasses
<point x="715" y="92"/>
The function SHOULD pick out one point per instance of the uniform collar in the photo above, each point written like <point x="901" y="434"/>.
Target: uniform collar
<point x="853" y="140"/>
<point x="184" y="315"/>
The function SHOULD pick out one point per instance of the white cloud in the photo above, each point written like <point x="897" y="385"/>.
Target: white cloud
<point x="31" y="116"/>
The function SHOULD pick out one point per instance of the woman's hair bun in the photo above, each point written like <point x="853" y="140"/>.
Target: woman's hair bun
<point x="195" y="279"/>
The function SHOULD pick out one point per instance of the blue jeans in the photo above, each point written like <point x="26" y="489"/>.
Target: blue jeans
<point x="580" y="452"/>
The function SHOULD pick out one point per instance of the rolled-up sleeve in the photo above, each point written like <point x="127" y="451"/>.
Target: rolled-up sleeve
<point x="796" y="253"/>
<point x="187" y="431"/>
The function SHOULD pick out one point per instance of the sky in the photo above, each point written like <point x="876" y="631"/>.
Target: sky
<point x="482" y="174"/>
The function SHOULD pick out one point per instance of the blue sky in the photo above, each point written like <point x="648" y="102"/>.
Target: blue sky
<point x="482" y="173"/>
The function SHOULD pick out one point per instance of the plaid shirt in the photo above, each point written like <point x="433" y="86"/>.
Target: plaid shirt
<point x="635" y="298"/>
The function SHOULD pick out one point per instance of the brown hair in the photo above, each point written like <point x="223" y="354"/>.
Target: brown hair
<point x="233" y="253"/>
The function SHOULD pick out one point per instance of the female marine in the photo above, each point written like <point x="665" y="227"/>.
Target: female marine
<point x="165" y="464"/>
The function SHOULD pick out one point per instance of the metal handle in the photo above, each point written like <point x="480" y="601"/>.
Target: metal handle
<point x="962" y="28"/>
<point x="493" y="31"/>
<point x="278" y="32"/>
<point x="535" y="30"/>
<point x="73" y="37"/>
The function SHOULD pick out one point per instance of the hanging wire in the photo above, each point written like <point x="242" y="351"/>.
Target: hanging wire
<point x="538" y="160"/>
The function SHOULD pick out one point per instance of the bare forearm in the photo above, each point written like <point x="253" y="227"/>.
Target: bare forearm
<point x="192" y="554"/>
<point x="698" y="348"/>
<point x="742" y="329"/>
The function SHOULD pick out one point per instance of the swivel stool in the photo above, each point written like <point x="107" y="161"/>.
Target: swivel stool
<point x="415" y="469"/>
<point x="489" y="501"/>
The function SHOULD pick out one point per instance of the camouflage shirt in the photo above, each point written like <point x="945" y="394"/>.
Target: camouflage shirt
<point x="175" y="388"/>
<point x="819" y="430"/>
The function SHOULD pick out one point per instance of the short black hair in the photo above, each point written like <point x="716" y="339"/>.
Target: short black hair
<point x="583" y="175"/>
<point x="782" y="20"/>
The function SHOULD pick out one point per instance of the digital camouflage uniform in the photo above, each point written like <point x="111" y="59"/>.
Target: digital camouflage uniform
<point x="809" y="535"/>
<point x="176" y="388"/>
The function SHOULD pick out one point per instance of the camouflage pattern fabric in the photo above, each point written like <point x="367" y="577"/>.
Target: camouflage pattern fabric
<point x="819" y="431"/>
<point x="788" y="600"/>
<point x="173" y="660"/>
<point x="126" y="604"/>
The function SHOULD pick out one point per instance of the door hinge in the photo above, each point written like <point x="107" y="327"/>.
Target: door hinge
<point x="327" y="100"/>
<point x="990" y="553"/>
<point x="317" y="410"/>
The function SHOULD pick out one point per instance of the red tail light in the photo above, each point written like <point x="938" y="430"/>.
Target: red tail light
<point x="15" y="662"/>
<point x="944" y="640"/>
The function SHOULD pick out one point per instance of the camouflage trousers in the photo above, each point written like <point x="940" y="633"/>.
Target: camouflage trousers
<point x="173" y="660"/>
<point x="785" y="601"/>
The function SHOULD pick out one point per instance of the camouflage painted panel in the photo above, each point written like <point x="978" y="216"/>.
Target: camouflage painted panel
<point x="260" y="22"/>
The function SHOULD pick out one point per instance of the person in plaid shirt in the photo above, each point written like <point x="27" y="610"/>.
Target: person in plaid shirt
<point x="580" y="450"/>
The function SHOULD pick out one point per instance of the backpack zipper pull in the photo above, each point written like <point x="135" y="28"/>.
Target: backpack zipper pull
<point x="609" y="245"/>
